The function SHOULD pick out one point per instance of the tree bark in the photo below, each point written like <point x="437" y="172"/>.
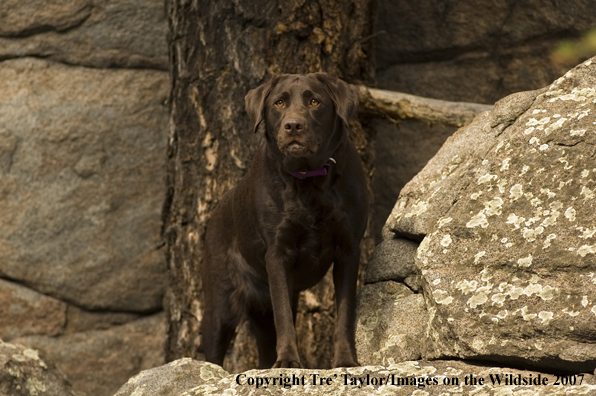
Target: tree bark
<point x="219" y="50"/>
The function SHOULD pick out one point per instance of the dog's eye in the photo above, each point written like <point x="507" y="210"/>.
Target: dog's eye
<point x="279" y="103"/>
<point x="314" y="102"/>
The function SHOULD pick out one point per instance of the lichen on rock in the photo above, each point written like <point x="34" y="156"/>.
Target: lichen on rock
<point x="519" y="253"/>
<point x="23" y="373"/>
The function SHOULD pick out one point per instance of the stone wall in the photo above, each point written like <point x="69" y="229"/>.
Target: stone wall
<point x="471" y="50"/>
<point x="83" y="124"/>
<point x="464" y="51"/>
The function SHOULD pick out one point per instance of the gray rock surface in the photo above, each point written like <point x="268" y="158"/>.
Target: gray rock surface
<point x="19" y="18"/>
<point x="401" y="151"/>
<point x="410" y="378"/>
<point x="99" y="33"/>
<point x="432" y="191"/>
<point x="392" y="259"/>
<point x="81" y="168"/>
<point x="391" y="324"/>
<point x="173" y="378"/>
<point x="98" y="362"/>
<point x="474" y="51"/>
<point x="507" y="207"/>
<point x="25" y="312"/>
<point x="79" y="320"/>
<point x="23" y="373"/>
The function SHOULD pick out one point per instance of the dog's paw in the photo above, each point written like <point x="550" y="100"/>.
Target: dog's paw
<point x="345" y="359"/>
<point x="287" y="364"/>
<point x="351" y="363"/>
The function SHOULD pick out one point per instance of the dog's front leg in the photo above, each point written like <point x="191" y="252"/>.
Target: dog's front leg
<point x="280" y="285"/>
<point x="345" y="277"/>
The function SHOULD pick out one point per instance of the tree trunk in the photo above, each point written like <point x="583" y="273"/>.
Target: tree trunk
<point x="219" y="50"/>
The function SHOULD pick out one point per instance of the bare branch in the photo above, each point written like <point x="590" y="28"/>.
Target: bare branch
<point x="399" y="106"/>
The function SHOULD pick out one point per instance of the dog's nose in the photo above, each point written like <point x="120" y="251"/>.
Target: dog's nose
<point x="293" y="126"/>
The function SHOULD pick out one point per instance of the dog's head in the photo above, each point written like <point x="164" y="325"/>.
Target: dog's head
<point x="305" y="116"/>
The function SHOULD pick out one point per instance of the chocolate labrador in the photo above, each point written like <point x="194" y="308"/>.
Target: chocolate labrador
<point x="301" y="207"/>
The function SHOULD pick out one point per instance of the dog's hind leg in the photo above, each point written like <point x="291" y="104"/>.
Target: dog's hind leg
<point x="220" y="317"/>
<point x="218" y="330"/>
<point x="263" y="328"/>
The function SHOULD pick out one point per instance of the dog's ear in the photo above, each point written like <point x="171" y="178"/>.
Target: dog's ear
<point x="344" y="96"/>
<point x="254" y="101"/>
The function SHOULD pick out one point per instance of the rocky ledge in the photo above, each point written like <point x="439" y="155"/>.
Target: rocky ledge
<point x="187" y="377"/>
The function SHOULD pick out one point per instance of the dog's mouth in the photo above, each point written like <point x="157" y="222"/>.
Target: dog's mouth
<point x="295" y="148"/>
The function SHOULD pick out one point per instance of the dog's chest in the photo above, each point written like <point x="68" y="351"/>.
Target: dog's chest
<point x="310" y="243"/>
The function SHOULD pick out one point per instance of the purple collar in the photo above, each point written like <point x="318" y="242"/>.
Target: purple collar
<point x="318" y="172"/>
